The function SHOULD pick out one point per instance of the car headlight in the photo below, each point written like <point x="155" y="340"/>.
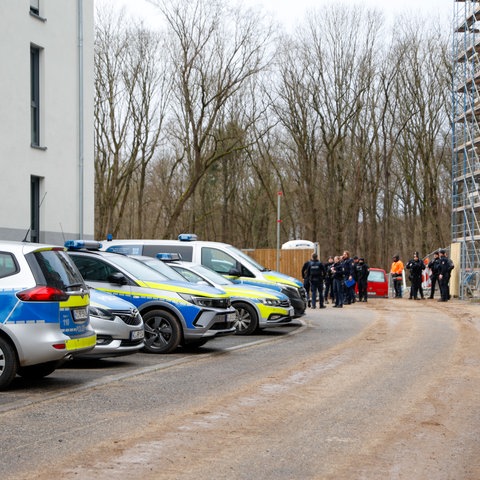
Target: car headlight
<point x="101" y="313"/>
<point x="207" y="302"/>
<point x="271" y="302"/>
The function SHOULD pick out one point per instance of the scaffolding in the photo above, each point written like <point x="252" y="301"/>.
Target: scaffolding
<point x="466" y="144"/>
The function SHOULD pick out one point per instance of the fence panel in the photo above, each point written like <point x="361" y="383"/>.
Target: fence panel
<point x="291" y="261"/>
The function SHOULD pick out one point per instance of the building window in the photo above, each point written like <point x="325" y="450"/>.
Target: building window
<point x="35" y="95"/>
<point x="35" y="209"/>
<point x="35" y="7"/>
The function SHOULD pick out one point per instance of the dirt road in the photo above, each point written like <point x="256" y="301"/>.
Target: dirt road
<point x="401" y="400"/>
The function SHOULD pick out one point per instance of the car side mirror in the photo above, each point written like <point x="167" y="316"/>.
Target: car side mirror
<point x="234" y="272"/>
<point x="117" y="278"/>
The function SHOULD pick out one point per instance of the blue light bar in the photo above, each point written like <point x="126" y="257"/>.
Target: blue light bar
<point x="168" y="257"/>
<point x="187" y="237"/>
<point x="82" y="245"/>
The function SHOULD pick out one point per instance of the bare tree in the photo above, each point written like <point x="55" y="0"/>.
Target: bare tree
<point x="214" y="50"/>
<point x="131" y="93"/>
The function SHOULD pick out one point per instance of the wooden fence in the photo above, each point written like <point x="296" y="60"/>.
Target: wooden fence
<point x="291" y="261"/>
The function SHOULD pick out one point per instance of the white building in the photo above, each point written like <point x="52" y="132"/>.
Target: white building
<point x="46" y="120"/>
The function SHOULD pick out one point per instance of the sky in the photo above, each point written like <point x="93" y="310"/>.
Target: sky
<point x="289" y="12"/>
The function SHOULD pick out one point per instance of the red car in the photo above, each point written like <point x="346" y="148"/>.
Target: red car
<point x="377" y="283"/>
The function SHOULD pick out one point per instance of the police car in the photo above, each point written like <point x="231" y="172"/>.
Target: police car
<point x="224" y="259"/>
<point x="43" y="310"/>
<point x="118" y="325"/>
<point x="174" y="313"/>
<point x="257" y="308"/>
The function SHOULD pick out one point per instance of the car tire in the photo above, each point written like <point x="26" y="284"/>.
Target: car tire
<point x="162" y="332"/>
<point x="8" y="363"/>
<point x="247" y="318"/>
<point x="32" y="372"/>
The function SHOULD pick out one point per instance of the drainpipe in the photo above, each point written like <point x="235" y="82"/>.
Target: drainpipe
<point x="80" y="118"/>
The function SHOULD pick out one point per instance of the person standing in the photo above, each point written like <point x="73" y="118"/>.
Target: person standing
<point x="444" y="271"/>
<point x="361" y="277"/>
<point x="316" y="275"/>
<point x="348" y="267"/>
<point x="416" y="267"/>
<point x="338" y="280"/>
<point x="396" y="271"/>
<point x="306" y="280"/>
<point x="433" y="266"/>
<point x="329" y="280"/>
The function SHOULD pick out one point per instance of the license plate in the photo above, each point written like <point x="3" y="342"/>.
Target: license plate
<point x="80" y="314"/>
<point x="137" y="334"/>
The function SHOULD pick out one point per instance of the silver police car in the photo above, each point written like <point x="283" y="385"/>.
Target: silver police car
<point x="44" y="316"/>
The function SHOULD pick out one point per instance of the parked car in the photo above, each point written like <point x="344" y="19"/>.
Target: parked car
<point x="257" y="308"/>
<point x="377" y="285"/>
<point x="174" y="313"/>
<point x="222" y="258"/>
<point x="43" y="310"/>
<point x="118" y="324"/>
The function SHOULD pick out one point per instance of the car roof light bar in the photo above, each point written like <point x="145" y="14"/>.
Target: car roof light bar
<point x="83" y="245"/>
<point x="187" y="237"/>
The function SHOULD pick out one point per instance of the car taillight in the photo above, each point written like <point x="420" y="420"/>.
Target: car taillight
<point x="43" y="294"/>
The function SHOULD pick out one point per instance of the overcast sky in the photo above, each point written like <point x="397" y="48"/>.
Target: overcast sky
<point x="290" y="11"/>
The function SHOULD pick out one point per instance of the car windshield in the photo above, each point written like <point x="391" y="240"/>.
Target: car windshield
<point x="162" y="268"/>
<point x="248" y="259"/>
<point x="211" y="275"/>
<point x="138" y="269"/>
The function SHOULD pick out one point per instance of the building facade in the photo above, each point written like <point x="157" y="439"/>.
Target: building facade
<point x="46" y="120"/>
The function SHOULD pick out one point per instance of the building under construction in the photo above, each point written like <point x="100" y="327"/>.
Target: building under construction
<point x="466" y="144"/>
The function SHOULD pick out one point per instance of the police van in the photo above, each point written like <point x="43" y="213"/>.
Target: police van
<point x="220" y="257"/>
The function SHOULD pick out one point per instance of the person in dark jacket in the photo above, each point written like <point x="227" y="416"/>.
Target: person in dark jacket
<point x="348" y="267"/>
<point x="360" y="275"/>
<point x="306" y="280"/>
<point x="416" y="267"/>
<point x="338" y="281"/>
<point x="444" y="271"/>
<point x="434" y="266"/>
<point x="316" y="275"/>
<point x="329" y="280"/>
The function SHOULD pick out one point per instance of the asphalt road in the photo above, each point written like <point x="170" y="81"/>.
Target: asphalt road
<point x="388" y="389"/>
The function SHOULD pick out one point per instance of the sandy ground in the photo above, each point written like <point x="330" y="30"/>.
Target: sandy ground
<point x="399" y="401"/>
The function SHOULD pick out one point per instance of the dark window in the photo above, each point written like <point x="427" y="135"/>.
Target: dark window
<point x="35" y="7"/>
<point x="93" y="269"/>
<point x="35" y="209"/>
<point x="8" y="264"/>
<point x="185" y="251"/>
<point x="35" y="95"/>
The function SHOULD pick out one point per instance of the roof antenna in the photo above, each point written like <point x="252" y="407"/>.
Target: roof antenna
<point x="29" y="228"/>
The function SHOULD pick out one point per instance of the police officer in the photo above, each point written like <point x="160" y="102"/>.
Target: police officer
<point x="316" y="275"/>
<point x="306" y="280"/>
<point x="329" y="280"/>
<point x="361" y="277"/>
<point x="434" y="266"/>
<point x="338" y="280"/>
<point x="444" y="271"/>
<point x="416" y="267"/>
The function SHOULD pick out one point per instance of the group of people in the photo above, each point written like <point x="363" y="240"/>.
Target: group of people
<point x="335" y="280"/>
<point x="440" y="271"/>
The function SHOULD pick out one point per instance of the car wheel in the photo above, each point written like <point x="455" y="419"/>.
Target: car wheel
<point x="162" y="332"/>
<point x="8" y="363"/>
<point x="247" y="319"/>
<point x="40" y="370"/>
